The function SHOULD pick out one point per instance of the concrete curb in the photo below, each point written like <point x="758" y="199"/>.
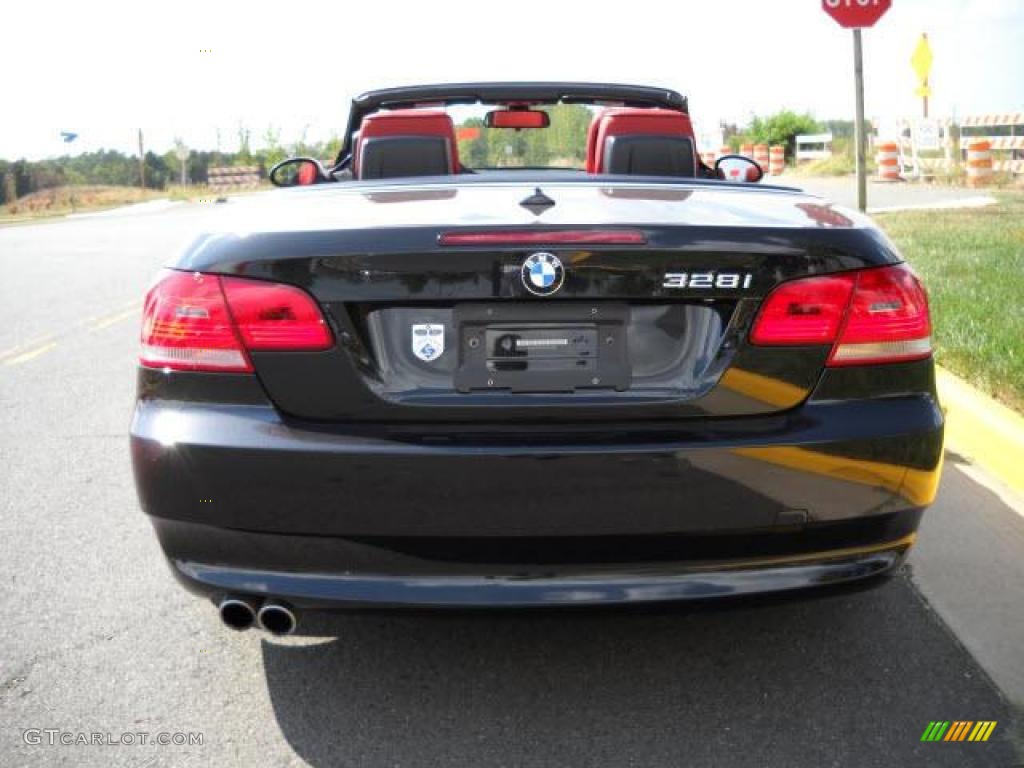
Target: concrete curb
<point x="938" y="205"/>
<point x="983" y="430"/>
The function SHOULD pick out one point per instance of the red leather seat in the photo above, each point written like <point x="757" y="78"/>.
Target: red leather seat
<point x="656" y="142"/>
<point x="405" y="142"/>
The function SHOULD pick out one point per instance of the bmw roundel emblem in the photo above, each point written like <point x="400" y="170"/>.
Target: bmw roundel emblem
<point x="542" y="273"/>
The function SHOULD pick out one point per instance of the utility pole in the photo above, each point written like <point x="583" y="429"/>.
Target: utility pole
<point x="859" y="138"/>
<point x="924" y="86"/>
<point x="182" y="152"/>
<point x="142" y="162"/>
<point x="10" y="186"/>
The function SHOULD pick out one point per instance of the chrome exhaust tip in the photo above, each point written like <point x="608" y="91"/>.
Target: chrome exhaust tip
<point x="276" y="618"/>
<point x="236" y="613"/>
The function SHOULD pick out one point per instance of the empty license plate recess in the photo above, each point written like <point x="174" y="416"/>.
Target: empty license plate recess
<point x="529" y="347"/>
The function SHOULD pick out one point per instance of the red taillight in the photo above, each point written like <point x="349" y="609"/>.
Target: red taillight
<point x="276" y="316"/>
<point x="807" y="311"/>
<point x="888" y="319"/>
<point x="875" y="315"/>
<point x="186" y="326"/>
<point x="541" y="237"/>
<point x="187" y="323"/>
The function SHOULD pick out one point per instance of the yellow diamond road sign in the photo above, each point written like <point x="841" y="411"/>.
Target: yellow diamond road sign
<point x="921" y="61"/>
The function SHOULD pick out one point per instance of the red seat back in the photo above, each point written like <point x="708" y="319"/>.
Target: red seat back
<point x="411" y="124"/>
<point x="633" y="122"/>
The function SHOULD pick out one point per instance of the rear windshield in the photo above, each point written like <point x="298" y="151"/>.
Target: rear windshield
<point x="561" y="145"/>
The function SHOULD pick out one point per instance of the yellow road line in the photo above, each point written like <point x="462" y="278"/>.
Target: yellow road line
<point x="32" y="353"/>
<point x="37" y="346"/>
<point x="25" y="345"/>
<point x="106" y="322"/>
<point x="134" y="304"/>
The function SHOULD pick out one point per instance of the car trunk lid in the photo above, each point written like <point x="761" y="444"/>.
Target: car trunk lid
<point x="650" y="326"/>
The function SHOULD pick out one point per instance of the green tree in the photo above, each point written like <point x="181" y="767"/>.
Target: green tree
<point x="244" y="154"/>
<point x="781" y="128"/>
<point x="273" y="151"/>
<point x="474" y="152"/>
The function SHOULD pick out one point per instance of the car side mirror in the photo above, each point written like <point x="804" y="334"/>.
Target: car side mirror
<point x="738" y="168"/>
<point x="297" y="172"/>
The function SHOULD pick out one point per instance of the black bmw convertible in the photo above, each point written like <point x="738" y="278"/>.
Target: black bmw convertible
<point x="409" y="381"/>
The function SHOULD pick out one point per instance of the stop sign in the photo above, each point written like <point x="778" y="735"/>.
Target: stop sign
<point x="856" y="13"/>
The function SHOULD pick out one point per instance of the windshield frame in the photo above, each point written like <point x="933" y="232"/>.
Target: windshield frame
<point x="534" y="93"/>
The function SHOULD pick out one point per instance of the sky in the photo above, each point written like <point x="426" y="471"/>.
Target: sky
<point x="199" y="70"/>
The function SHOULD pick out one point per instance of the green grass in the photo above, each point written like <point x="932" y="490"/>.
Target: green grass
<point x="837" y="165"/>
<point x="972" y="262"/>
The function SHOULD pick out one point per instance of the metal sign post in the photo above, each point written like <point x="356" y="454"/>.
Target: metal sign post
<point x="856" y="14"/>
<point x="142" y="162"/>
<point x="858" y="130"/>
<point x="921" y="61"/>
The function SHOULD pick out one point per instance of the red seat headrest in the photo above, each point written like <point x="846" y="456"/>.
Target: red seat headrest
<point x="410" y="123"/>
<point x="630" y="121"/>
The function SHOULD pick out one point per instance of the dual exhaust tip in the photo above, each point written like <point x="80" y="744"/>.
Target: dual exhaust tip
<point x="240" y="613"/>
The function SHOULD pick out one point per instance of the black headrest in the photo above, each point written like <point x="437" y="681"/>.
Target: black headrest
<point x="650" y="156"/>
<point x="387" y="157"/>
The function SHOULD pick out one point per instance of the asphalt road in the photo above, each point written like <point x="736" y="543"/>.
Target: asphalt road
<point x="95" y="635"/>
<point x="882" y="196"/>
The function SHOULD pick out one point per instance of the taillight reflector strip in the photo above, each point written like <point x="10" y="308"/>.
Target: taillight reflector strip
<point x="881" y="351"/>
<point x="545" y="237"/>
<point x="195" y="359"/>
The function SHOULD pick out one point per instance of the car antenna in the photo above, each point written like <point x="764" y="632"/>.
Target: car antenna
<point x="537" y="203"/>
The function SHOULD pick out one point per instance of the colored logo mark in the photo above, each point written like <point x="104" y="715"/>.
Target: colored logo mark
<point x="958" y="730"/>
<point x="542" y="273"/>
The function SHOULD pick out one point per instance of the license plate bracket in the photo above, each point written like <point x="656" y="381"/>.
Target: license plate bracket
<point x="533" y="348"/>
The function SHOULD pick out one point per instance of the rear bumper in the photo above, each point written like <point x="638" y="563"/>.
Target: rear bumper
<point x="245" y="501"/>
<point x="395" y="580"/>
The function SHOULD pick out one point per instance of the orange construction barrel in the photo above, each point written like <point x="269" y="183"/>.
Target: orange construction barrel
<point x="888" y="159"/>
<point x="761" y="156"/>
<point x="979" y="163"/>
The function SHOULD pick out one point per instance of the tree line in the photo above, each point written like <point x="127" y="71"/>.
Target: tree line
<point x="110" y="167"/>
